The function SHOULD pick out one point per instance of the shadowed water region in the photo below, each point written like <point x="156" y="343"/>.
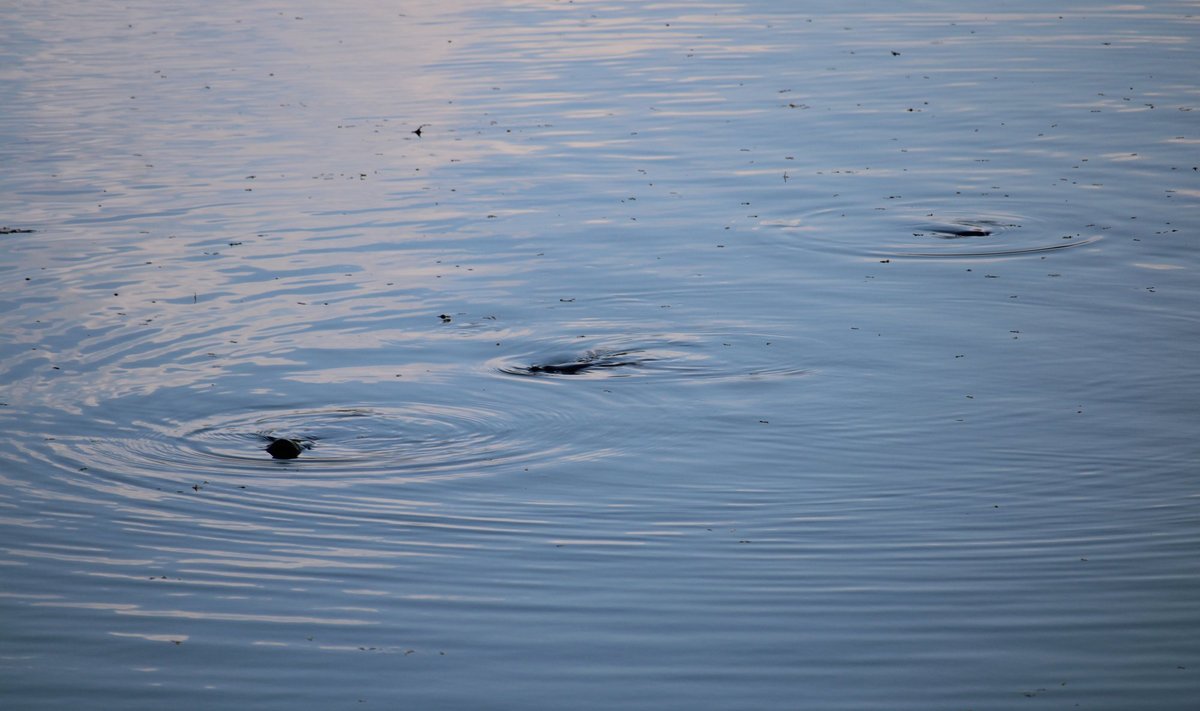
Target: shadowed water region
<point x="722" y="355"/>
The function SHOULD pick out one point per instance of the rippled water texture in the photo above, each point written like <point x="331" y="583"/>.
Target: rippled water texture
<point x="727" y="355"/>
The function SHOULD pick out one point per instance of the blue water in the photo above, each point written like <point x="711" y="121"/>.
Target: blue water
<point x="738" y="355"/>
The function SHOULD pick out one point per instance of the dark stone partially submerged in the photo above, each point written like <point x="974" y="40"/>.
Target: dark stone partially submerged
<point x="282" y="448"/>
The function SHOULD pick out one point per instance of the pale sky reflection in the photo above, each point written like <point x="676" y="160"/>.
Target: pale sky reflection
<point x="133" y="610"/>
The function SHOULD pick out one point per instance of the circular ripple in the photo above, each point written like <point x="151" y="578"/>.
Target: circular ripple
<point x="603" y="356"/>
<point x="347" y="445"/>
<point x="959" y="235"/>
<point x="917" y="232"/>
<point x="605" y="362"/>
<point x="699" y="357"/>
<point x="423" y="439"/>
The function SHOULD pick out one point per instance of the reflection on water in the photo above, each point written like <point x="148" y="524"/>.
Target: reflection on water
<point x="733" y="355"/>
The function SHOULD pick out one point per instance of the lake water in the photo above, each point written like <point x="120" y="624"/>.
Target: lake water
<point x="721" y="355"/>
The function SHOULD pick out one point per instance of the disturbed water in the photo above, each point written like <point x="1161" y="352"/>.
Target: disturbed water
<point x="730" y="355"/>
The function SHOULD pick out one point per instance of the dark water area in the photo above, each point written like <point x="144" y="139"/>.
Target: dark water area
<point x="731" y="355"/>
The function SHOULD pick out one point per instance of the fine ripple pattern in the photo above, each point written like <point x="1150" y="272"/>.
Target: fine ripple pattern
<point x="700" y="357"/>
<point x="350" y="445"/>
<point x="954" y="235"/>
<point x="909" y="231"/>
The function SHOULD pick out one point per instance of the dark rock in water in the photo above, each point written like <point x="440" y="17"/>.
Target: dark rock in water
<point x="285" y="448"/>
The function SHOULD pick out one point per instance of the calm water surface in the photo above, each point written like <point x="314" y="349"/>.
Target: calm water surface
<point x="727" y="355"/>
